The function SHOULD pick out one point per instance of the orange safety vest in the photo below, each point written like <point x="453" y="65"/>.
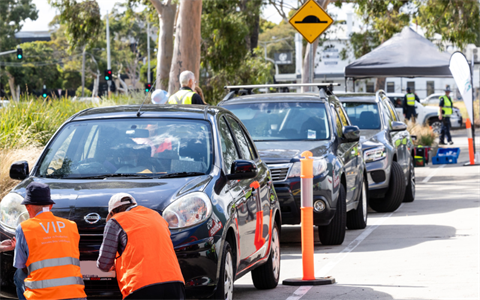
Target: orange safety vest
<point x="149" y="257"/>
<point x="54" y="259"/>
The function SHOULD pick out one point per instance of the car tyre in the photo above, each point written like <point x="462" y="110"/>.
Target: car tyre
<point x="436" y="125"/>
<point x="357" y="218"/>
<point x="395" y="194"/>
<point x="410" y="190"/>
<point x="267" y="275"/>
<point x="224" y="289"/>
<point x="334" y="233"/>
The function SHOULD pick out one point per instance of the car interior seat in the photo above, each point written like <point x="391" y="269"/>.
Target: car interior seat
<point x="367" y="120"/>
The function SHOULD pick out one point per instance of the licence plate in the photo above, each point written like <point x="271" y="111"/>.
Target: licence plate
<point x="91" y="272"/>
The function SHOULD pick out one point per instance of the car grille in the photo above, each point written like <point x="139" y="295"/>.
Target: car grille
<point x="279" y="171"/>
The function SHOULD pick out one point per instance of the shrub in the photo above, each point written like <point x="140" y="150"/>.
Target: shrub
<point x="425" y="135"/>
<point x="86" y="92"/>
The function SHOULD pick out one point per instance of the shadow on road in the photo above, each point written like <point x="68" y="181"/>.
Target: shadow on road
<point x="334" y="291"/>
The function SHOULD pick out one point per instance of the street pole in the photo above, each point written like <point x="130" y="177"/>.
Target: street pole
<point x="83" y="71"/>
<point x="109" y="65"/>
<point x="311" y="75"/>
<point x="473" y="106"/>
<point x="8" y="52"/>
<point x="148" y="50"/>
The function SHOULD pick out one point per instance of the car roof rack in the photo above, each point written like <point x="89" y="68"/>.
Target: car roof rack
<point x="241" y="90"/>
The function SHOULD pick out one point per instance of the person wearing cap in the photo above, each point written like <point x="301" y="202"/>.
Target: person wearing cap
<point x="137" y="244"/>
<point x="444" y="113"/>
<point x="46" y="251"/>
<point x="186" y="94"/>
<point x="409" y="104"/>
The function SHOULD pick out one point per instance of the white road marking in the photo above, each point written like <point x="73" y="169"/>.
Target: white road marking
<point x="301" y="291"/>
<point x="433" y="173"/>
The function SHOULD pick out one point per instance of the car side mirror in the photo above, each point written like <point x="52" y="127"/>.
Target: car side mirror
<point x="242" y="169"/>
<point x="398" y="126"/>
<point x="350" y="134"/>
<point x="19" y="170"/>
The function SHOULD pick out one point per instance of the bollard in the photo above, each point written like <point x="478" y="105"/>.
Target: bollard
<point x="470" y="142"/>
<point x="306" y="185"/>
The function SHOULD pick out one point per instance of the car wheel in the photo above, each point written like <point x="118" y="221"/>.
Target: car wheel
<point x="266" y="276"/>
<point x="410" y="190"/>
<point x="334" y="233"/>
<point x="436" y="125"/>
<point x="227" y="274"/>
<point x="395" y="193"/>
<point x="357" y="218"/>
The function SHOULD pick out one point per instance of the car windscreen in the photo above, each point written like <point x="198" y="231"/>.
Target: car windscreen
<point x="365" y="115"/>
<point x="129" y="147"/>
<point x="283" y="121"/>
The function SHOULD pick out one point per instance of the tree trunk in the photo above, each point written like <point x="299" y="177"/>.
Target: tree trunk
<point x="83" y="72"/>
<point x="166" y="16"/>
<point x="380" y="84"/>
<point x="11" y="83"/>
<point x="186" y="53"/>
<point x="306" y="70"/>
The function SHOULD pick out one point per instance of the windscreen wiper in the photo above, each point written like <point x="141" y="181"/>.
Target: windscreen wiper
<point x="125" y="175"/>
<point x="182" y="174"/>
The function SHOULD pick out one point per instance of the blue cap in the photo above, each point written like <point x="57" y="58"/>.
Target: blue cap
<point x="38" y="194"/>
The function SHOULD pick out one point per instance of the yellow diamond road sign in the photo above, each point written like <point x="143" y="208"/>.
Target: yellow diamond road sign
<point x="311" y="21"/>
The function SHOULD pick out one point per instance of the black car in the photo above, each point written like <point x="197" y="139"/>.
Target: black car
<point x="387" y="147"/>
<point x="196" y="165"/>
<point x="283" y="125"/>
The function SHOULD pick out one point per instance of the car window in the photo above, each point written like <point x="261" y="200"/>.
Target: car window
<point x="129" y="146"/>
<point x="283" y="121"/>
<point x="243" y="144"/>
<point x="229" y="150"/>
<point x="338" y="123"/>
<point x="342" y="116"/>
<point x="365" y="115"/>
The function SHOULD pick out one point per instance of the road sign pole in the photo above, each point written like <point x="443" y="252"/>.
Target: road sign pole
<point x="311" y="75"/>
<point x="109" y="65"/>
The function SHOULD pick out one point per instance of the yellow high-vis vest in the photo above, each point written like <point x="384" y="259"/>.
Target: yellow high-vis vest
<point x="181" y="97"/>
<point x="411" y="99"/>
<point x="447" y="106"/>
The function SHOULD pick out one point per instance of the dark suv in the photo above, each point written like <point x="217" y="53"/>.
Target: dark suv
<point x="387" y="147"/>
<point x="283" y="125"/>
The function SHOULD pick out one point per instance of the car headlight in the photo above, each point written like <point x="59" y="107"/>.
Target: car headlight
<point x="188" y="210"/>
<point x="374" y="154"/>
<point x="319" y="166"/>
<point x="12" y="212"/>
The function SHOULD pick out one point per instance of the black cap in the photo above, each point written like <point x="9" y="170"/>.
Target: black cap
<point x="38" y="194"/>
<point x="408" y="89"/>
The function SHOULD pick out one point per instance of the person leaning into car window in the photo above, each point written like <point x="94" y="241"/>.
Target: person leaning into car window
<point x="146" y="265"/>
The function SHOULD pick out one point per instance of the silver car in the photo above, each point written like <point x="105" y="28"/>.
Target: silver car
<point x="387" y="149"/>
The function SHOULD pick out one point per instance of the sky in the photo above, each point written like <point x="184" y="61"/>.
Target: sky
<point x="46" y="13"/>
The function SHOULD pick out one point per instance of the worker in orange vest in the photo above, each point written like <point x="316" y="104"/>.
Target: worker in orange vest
<point x="47" y="250"/>
<point x="146" y="263"/>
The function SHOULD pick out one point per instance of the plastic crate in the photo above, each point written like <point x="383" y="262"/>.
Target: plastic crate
<point x="446" y="156"/>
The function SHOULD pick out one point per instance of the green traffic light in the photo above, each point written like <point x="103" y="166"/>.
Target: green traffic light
<point x="19" y="56"/>
<point x="107" y="78"/>
<point x="44" y="95"/>
<point x="146" y="90"/>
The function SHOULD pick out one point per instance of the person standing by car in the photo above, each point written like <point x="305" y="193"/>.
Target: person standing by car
<point x="146" y="264"/>
<point x="186" y="94"/>
<point x="47" y="249"/>
<point x="409" y="104"/>
<point x="444" y="113"/>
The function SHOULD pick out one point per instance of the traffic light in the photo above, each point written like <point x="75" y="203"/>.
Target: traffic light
<point x="19" y="53"/>
<point x="44" y="93"/>
<point x="148" y="87"/>
<point x="108" y="75"/>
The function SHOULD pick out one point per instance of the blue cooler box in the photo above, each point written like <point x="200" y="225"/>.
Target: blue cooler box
<point x="446" y="156"/>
